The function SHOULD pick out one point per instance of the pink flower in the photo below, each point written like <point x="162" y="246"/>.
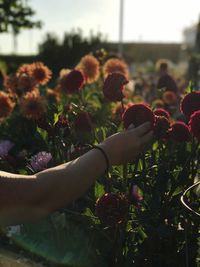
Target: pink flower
<point x="39" y="161"/>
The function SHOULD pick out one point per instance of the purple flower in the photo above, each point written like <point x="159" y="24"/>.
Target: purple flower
<point x="5" y="147"/>
<point x="39" y="161"/>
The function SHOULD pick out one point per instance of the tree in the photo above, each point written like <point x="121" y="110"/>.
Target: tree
<point x="66" y="53"/>
<point x="194" y="63"/>
<point x="197" y="41"/>
<point x="15" y="15"/>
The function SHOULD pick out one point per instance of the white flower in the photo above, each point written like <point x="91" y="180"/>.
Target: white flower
<point x="13" y="230"/>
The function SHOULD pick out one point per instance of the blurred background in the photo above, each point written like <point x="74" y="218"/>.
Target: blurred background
<point x="140" y="31"/>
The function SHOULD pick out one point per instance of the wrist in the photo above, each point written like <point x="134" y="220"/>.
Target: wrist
<point x="104" y="155"/>
<point x="107" y="149"/>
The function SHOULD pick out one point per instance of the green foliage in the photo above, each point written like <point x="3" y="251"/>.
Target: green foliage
<point x="157" y="230"/>
<point x="67" y="52"/>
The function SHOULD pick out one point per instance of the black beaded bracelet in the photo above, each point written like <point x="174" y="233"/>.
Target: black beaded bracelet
<point x="105" y="156"/>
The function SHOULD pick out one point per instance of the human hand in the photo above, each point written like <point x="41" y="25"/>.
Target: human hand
<point x="125" y="146"/>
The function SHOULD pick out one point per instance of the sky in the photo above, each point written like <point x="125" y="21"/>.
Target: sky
<point x="144" y="21"/>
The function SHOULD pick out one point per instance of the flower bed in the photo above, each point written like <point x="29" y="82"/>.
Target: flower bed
<point x="133" y="213"/>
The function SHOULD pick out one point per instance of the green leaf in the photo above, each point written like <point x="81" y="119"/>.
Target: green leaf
<point x="88" y="212"/>
<point x="99" y="190"/>
<point x="141" y="233"/>
<point x="42" y="133"/>
<point x="177" y="191"/>
<point x="155" y="146"/>
<point x="22" y="171"/>
<point x="100" y="134"/>
<point x="189" y="88"/>
<point x="56" y="117"/>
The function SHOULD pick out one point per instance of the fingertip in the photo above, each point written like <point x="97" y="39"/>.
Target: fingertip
<point x="147" y="125"/>
<point x="150" y="133"/>
<point x="131" y="126"/>
<point x="143" y="128"/>
<point x="147" y="138"/>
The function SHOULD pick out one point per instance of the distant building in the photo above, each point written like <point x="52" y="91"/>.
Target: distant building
<point x="142" y="52"/>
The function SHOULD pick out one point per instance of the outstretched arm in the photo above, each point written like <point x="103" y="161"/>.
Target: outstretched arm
<point x="27" y="198"/>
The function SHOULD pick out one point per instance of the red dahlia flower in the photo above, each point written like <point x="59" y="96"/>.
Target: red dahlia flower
<point x="161" y="127"/>
<point x="138" y="114"/>
<point x="72" y="82"/>
<point x="162" y="112"/>
<point x="194" y="124"/>
<point x="113" y="86"/>
<point x="112" y="208"/>
<point x="190" y="103"/>
<point x="83" y="122"/>
<point x="62" y="122"/>
<point x="179" y="132"/>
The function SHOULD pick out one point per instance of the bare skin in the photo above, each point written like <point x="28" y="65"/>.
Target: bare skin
<point x="26" y="198"/>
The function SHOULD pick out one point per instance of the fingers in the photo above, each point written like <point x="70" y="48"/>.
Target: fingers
<point x="131" y="127"/>
<point x="143" y="129"/>
<point x="145" y="139"/>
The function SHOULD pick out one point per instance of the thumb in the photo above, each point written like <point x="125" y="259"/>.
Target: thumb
<point x="131" y="127"/>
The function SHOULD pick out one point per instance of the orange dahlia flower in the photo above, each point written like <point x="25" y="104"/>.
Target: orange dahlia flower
<point x="115" y="65"/>
<point x="24" y="69"/>
<point x="53" y="95"/>
<point x="90" y="68"/>
<point x="169" y="98"/>
<point x="11" y="83"/>
<point x="6" y="105"/>
<point x="26" y="83"/>
<point x="40" y="72"/>
<point x="158" y="103"/>
<point x="64" y="72"/>
<point x="32" y="105"/>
